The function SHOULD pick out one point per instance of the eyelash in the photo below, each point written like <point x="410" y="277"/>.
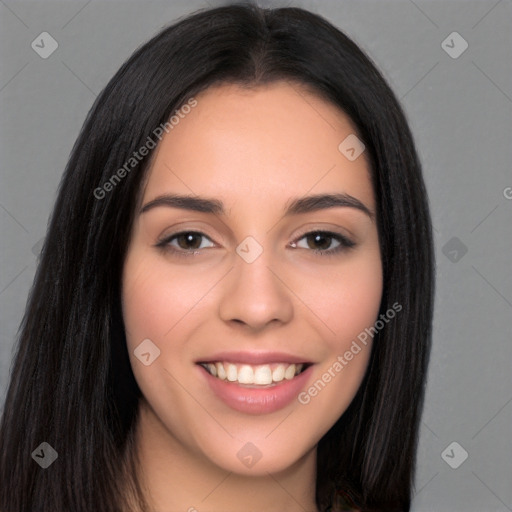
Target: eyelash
<point x="344" y="243"/>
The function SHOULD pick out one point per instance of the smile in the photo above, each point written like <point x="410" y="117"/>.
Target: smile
<point x="261" y="384"/>
<point x="259" y="375"/>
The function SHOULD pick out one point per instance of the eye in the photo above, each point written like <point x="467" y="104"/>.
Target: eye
<point x="185" y="242"/>
<point x="324" y="242"/>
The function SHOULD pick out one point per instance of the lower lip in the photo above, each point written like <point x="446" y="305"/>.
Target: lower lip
<point x="258" y="401"/>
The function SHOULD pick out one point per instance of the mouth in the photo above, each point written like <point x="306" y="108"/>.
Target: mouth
<point x="256" y="384"/>
<point x="254" y="376"/>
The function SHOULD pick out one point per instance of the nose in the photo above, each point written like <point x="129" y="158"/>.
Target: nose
<point x="256" y="296"/>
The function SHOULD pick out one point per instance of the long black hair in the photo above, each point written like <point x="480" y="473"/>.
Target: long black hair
<point x="72" y="384"/>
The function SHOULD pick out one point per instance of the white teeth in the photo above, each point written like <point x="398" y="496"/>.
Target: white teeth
<point x="212" y="369"/>
<point x="289" y="372"/>
<point x="278" y="373"/>
<point x="221" y="372"/>
<point x="261" y="375"/>
<point x="232" y="373"/>
<point x="246" y="375"/>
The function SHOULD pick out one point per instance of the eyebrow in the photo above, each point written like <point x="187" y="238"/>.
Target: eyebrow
<point x="295" y="207"/>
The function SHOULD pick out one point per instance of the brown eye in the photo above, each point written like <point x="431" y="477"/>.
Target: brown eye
<point x="189" y="240"/>
<point x="186" y="241"/>
<point x="324" y="242"/>
<point x="319" y="241"/>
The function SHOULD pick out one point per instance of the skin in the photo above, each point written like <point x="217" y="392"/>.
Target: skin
<point x="255" y="150"/>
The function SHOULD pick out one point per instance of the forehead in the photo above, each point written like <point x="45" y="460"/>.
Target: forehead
<point x="265" y="143"/>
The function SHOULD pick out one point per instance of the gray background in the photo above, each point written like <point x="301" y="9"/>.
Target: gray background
<point x="460" y="112"/>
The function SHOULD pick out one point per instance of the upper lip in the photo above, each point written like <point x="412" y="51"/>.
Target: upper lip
<point x="253" y="358"/>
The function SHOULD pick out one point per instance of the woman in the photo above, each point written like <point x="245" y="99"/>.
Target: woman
<point x="233" y="305"/>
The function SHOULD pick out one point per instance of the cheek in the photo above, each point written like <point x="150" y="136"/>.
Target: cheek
<point x="348" y="306"/>
<point x="347" y="299"/>
<point x="354" y="301"/>
<point x="156" y="302"/>
<point x="156" y="298"/>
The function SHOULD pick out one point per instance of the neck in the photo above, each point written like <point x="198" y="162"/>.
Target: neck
<point x="176" y="477"/>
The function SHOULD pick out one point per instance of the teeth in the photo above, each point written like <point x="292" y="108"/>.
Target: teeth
<point x="212" y="369"/>
<point x="261" y="375"/>
<point x="232" y="373"/>
<point x="278" y="373"/>
<point x="289" y="372"/>
<point x="221" y="372"/>
<point x="245" y="375"/>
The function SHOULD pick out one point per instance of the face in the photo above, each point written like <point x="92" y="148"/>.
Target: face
<point x="243" y="300"/>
